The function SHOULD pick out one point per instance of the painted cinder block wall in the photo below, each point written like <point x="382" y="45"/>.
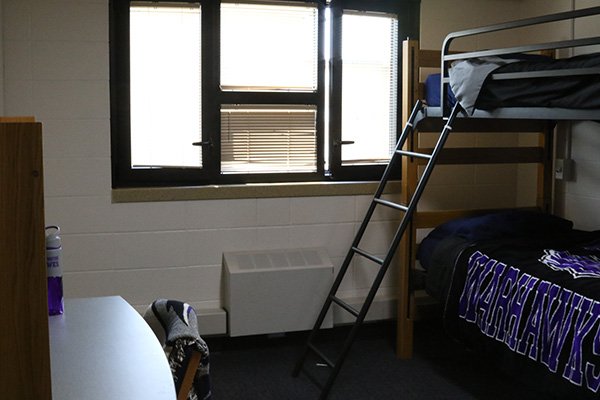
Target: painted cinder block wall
<point x="56" y="68"/>
<point x="579" y="198"/>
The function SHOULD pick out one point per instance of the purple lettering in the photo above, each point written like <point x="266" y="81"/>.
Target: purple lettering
<point x="501" y="310"/>
<point x="573" y="370"/>
<point x="534" y="322"/>
<point x="470" y="295"/>
<point x="593" y="379"/>
<point x="488" y="299"/>
<point x="556" y="326"/>
<point x="524" y="286"/>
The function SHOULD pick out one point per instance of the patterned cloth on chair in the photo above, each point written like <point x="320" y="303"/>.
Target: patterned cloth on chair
<point x="176" y="327"/>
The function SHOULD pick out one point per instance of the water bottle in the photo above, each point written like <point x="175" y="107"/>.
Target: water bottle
<point x="54" y="270"/>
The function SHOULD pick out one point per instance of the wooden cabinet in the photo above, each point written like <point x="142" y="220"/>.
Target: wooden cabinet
<point x="24" y="338"/>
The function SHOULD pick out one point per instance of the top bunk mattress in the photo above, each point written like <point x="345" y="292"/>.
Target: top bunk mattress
<point x="475" y="84"/>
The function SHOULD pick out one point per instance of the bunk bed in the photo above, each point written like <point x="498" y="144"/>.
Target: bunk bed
<point x="458" y="262"/>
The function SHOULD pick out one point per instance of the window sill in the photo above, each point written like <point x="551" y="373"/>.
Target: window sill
<point x="249" y="191"/>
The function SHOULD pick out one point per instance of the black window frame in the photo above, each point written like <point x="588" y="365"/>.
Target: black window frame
<point x="125" y="176"/>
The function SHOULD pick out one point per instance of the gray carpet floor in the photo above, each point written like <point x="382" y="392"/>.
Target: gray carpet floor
<point x="260" y="368"/>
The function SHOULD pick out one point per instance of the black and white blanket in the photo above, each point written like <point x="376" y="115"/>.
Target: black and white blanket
<point x="176" y="327"/>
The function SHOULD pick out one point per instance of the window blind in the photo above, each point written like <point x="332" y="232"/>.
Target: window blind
<point x="268" y="138"/>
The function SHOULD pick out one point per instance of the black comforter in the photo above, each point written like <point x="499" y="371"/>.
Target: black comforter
<point x="471" y="82"/>
<point x="532" y="304"/>
<point x="581" y="92"/>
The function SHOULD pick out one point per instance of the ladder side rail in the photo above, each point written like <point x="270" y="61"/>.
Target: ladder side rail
<point x="319" y="321"/>
<point x="417" y="195"/>
<point x="432" y="161"/>
<point x="408" y="128"/>
<point x="411" y="208"/>
<point x="388" y="259"/>
<point x="385" y="177"/>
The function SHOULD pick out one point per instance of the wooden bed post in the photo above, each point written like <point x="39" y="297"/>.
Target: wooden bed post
<point x="410" y="86"/>
<point x="545" y="171"/>
<point x="406" y="305"/>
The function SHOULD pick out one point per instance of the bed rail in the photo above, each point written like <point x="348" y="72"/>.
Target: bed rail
<point x="448" y="56"/>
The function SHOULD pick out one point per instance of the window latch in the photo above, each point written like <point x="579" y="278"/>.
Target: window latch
<point x="342" y="142"/>
<point x="208" y="143"/>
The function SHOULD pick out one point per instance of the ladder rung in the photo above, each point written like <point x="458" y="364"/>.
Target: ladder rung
<point x="413" y="154"/>
<point x="321" y="355"/>
<point x="367" y="255"/>
<point x="391" y="204"/>
<point x="345" y="306"/>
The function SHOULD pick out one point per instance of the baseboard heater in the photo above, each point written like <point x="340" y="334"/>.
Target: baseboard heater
<point x="275" y="291"/>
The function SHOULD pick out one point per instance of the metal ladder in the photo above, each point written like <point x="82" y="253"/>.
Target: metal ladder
<point x="384" y="263"/>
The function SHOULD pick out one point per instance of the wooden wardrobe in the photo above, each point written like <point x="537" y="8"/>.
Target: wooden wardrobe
<point x="24" y="339"/>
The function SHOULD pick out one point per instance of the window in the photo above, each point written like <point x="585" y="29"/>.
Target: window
<point x="254" y="58"/>
<point x="165" y="65"/>
<point x="268" y="138"/>
<point x="217" y="92"/>
<point x="369" y="87"/>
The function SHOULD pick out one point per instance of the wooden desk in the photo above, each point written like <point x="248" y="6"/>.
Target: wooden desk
<point x="101" y="348"/>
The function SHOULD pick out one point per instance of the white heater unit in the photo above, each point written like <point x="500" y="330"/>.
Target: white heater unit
<point x="276" y="291"/>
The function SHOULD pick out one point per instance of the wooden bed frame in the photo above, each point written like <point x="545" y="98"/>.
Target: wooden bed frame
<point x="430" y="119"/>
<point x="538" y="120"/>
<point x="414" y="61"/>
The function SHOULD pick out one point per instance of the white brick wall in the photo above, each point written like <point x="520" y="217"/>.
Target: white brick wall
<point x="56" y="68"/>
<point x="580" y="197"/>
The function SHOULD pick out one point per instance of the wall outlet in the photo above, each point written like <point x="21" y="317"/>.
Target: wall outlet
<point x="563" y="169"/>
